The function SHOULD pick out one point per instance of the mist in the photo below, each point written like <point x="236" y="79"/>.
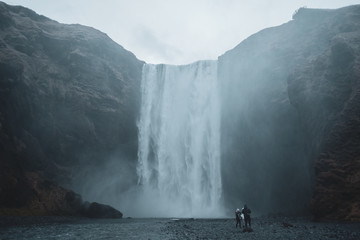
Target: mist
<point x="267" y="158"/>
<point x="211" y="139"/>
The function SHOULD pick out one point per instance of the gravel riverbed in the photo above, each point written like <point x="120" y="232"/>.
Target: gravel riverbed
<point x="263" y="228"/>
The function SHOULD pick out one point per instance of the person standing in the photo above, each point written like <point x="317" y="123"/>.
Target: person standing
<point x="238" y="217"/>
<point x="246" y="211"/>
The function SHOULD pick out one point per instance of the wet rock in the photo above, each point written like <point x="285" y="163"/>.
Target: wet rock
<point x="68" y="99"/>
<point x="326" y="94"/>
<point x="68" y="94"/>
<point x="44" y="197"/>
<point x="290" y="114"/>
<point x="96" y="210"/>
<point x="286" y="225"/>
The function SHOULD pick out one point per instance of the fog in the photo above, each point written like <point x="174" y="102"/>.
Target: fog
<point x="211" y="138"/>
<point x="264" y="158"/>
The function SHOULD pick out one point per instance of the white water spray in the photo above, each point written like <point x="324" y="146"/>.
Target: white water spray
<point x="179" y="140"/>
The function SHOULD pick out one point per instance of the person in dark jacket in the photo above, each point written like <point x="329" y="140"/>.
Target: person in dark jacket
<point x="246" y="211"/>
<point x="238" y="217"/>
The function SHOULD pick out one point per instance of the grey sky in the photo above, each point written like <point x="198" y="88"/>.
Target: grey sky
<point x="176" y="31"/>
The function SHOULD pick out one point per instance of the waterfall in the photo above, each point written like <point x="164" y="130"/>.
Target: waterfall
<point x="179" y="140"/>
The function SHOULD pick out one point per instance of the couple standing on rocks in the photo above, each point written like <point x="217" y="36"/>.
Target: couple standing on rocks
<point x="245" y="211"/>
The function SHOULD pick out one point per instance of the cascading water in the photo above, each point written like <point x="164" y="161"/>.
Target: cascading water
<point x="179" y="140"/>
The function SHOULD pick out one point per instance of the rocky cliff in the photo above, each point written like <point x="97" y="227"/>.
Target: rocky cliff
<point x="325" y="91"/>
<point x="68" y="100"/>
<point x="290" y="105"/>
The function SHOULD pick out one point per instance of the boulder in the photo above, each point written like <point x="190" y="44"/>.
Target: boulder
<point x="97" y="210"/>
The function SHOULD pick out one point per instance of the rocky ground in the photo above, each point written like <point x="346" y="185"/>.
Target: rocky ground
<point x="263" y="228"/>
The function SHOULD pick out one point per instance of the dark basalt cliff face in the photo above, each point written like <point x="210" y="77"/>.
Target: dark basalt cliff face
<point x="291" y="105"/>
<point x="69" y="98"/>
<point x="326" y="93"/>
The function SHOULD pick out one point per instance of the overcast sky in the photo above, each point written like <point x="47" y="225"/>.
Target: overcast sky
<point x="176" y="31"/>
